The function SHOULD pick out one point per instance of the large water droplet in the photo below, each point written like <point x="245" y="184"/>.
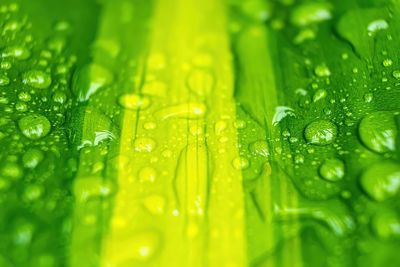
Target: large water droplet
<point x="34" y="126"/>
<point x="32" y="158"/>
<point x="37" y="79"/>
<point x="18" y="52"/>
<point x="309" y="13"/>
<point x="321" y="132"/>
<point x="386" y="224"/>
<point x="378" y="131"/>
<point x="382" y="180"/>
<point x="332" y="170"/>
<point x="259" y="148"/>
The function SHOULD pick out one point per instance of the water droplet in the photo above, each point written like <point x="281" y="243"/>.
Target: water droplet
<point x="322" y="71"/>
<point x="257" y="10"/>
<point x="320" y="132"/>
<point x="332" y="170"/>
<point x="219" y="127"/>
<point x="368" y="97"/>
<point x="134" y="101"/>
<point x="387" y="62"/>
<point x="320" y="94"/>
<point x="17" y="52"/>
<point x="92" y="186"/>
<point x="37" y="79"/>
<point x="32" y="158"/>
<point x="396" y="74"/>
<point x="304" y="35"/>
<point x="240" y="163"/>
<point x="299" y="159"/>
<point x="386" y="224"/>
<point x="4" y="80"/>
<point x="281" y="113"/>
<point x="89" y="79"/>
<point x="377" y="25"/>
<point x="378" y="131"/>
<point x="33" y="192"/>
<point x="240" y="124"/>
<point x="59" y="97"/>
<point x="155" y="204"/>
<point x="259" y="148"/>
<point x="144" y="144"/>
<point x="24" y="96"/>
<point x="381" y="180"/>
<point x="147" y="175"/>
<point x="149" y="125"/>
<point x="11" y="170"/>
<point x="34" y="126"/>
<point x="142" y="246"/>
<point x="310" y="13"/>
<point x="184" y="111"/>
<point x="5" y="65"/>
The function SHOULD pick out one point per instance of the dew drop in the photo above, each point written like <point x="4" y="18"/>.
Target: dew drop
<point x="378" y="131"/>
<point x="381" y="180"/>
<point x="184" y="111"/>
<point x="4" y="80"/>
<point x="17" y="52"/>
<point x="310" y="13"/>
<point x="321" y="132"/>
<point x="155" y="204"/>
<point x="34" y="126"/>
<point x="134" y="101"/>
<point x="37" y="79"/>
<point x="147" y="175"/>
<point x="322" y="71"/>
<point x="332" y="170"/>
<point x="259" y="148"/>
<point x="32" y="158"/>
<point x="240" y="163"/>
<point x="144" y="144"/>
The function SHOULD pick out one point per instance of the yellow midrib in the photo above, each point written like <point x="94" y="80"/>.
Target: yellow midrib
<point x="181" y="31"/>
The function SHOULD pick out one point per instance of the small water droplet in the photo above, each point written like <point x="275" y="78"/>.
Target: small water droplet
<point x="184" y="111"/>
<point x="4" y="80"/>
<point x="310" y="13"/>
<point x="147" y="175"/>
<point x="155" y="204"/>
<point x="134" y="101"/>
<point x="322" y="71"/>
<point x="240" y="163"/>
<point x="144" y="144"/>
